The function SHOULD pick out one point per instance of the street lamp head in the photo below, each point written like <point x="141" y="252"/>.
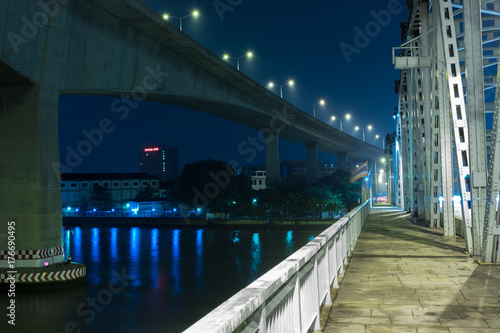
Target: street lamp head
<point x="291" y="83"/>
<point x="270" y="84"/>
<point x="347" y="116"/>
<point x="196" y="13"/>
<point x="333" y="118"/>
<point x="165" y="16"/>
<point x="382" y="160"/>
<point x="377" y="136"/>
<point x="356" y="128"/>
<point x="322" y="102"/>
<point x="225" y="56"/>
<point x="370" y="127"/>
<point x="249" y="54"/>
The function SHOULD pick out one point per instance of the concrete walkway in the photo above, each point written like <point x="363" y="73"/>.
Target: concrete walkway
<point x="408" y="278"/>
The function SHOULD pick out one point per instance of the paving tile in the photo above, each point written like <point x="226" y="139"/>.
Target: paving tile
<point x="432" y="329"/>
<point x="390" y="329"/>
<point x="469" y="323"/>
<point x="344" y="328"/>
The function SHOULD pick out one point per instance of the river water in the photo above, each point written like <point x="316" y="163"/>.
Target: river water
<point x="152" y="279"/>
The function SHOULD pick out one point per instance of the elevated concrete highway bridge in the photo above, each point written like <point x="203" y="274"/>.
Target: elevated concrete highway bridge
<point x="118" y="48"/>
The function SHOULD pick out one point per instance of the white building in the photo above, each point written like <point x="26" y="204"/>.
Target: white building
<point x="76" y="187"/>
<point x="259" y="180"/>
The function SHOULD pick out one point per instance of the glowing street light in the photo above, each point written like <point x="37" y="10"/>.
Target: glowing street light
<point x="347" y="117"/>
<point x="321" y="102"/>
<point x="194" y="13"/>
<point x="248" y="55"/>
<point x="289" y="83"/>
<point x="369" y="127"/>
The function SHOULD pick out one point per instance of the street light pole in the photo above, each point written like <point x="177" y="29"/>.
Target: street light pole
<point x="248" y="55"/>
<point x="290" y="83"/>
<point x="194" y="13"/>
<point x="321" y="102"/>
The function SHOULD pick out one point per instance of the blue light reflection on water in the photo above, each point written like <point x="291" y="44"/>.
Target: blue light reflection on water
<point x="77" y="241"/>
<point x="176" y="262"/>
<point x="256" y="251"/>
<point x="114" y="244"/>
<point x="134" y="256"/>
<point x="199" y="260"/>
<point x="289" y="240"/>
<point x="177" y="275"/>
<point x="155" y="258"/>
<point x="95" y="245"/>
<point x="67" y="242"/>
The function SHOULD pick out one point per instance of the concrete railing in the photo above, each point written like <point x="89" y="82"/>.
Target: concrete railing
<point x="288" y="297"/>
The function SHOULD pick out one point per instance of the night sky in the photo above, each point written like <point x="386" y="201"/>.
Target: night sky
<point x="290" y="40"/>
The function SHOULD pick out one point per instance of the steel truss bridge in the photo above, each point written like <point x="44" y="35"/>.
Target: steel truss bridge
<point x="447" y="92"/>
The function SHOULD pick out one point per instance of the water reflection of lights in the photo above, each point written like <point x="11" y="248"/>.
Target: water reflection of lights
<point x="289" y="241"/>
<point x="77" y="241"/>
<point x="256" y="257"/>
<point x="155" y="258"/>
<point x="200" y="282"/>
<point x="134" y="256"/>
<point x="95" y="245"/>
<point x="176" y="261"/>
<point x="114" y="244"/>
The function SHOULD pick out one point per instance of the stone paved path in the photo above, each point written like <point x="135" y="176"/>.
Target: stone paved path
<point x="408" y="278"/>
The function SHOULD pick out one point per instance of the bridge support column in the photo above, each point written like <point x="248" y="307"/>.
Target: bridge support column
<point x="312" y="162"/>
<point x="272" y="158"/>
<point x="30" y="188"/>
<point x="342" y="160"/>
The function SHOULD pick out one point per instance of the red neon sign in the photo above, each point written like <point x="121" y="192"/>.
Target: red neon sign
<point x="152" y="149"/>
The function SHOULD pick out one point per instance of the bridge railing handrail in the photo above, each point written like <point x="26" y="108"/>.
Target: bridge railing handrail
<point x="288" y="297"/>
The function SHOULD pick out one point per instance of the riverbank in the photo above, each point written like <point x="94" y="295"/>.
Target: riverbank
<point x="197" y="223"/>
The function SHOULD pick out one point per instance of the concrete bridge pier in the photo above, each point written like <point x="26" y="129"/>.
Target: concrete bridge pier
<point x="273" y="175"/>
<point x="30" y="188"/>
<point x="312" y="162"/>
<point x="342" y="160"/>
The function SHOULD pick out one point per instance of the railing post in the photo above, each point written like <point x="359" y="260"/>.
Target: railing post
<point x="297" y="318"/>
<point x="327" y="274"/>
<point x="317" y="323"/>
<point x="263" y="319"/>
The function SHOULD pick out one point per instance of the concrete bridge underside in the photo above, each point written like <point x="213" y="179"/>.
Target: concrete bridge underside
<point x="122" y="49"/>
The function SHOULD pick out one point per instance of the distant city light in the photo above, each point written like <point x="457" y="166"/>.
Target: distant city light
<point x="77" y="209"/>
<point x="175" y="209"/>
<point x="94" y="209"/>
<point x="113" y="210"/>
<point x="69" y="208"/>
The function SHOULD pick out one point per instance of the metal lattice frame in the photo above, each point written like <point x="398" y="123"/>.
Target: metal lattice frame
<point x="458" y="111"/>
